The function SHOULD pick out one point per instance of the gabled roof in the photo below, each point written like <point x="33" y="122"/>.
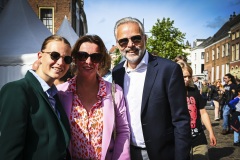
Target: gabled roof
<point x="21" y="32"/>
<point x="67" y="32"/>
<point x="224" y="30"/>
<point x="205" y="42"/>
<point x="113" y="49"/>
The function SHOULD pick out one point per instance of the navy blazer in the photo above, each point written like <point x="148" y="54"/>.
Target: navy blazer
<point x="164" y="113"/>
<point x="29" y="127"/>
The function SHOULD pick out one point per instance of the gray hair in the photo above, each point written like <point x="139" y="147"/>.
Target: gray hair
<point x="128" y="20"/>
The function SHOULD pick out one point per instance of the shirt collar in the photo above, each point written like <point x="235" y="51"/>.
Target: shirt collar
<point x="102" y="92"/>
<point x="143" y="62"/>
<point x="46" y="88"/>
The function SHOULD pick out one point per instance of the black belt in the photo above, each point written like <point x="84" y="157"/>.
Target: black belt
<point x="139" y="148"/>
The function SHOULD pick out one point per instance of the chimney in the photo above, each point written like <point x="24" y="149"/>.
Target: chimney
<point x="234" y="14"/>
<point x="230" y="18"/>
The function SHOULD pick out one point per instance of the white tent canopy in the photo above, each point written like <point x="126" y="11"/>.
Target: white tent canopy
<point x="67" y="32"/>
<point x="21" y="37"/>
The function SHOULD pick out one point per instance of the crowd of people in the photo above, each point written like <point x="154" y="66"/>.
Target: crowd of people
<point x="70" y="105"/>
<point x="224" y="97"/>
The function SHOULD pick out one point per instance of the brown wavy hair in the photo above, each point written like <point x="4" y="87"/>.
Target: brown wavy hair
<point x="91" y="39"/>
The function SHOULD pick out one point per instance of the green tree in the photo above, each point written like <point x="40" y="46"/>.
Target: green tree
<point x="166" y="41"/>
<point x="119" y="57"/>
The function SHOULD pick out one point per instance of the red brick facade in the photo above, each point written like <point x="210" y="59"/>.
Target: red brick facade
<point x="217" y="62"/>
<point x="235" y="43"/>
<point x="222" y="54"/>
<point x="61" y="8"/>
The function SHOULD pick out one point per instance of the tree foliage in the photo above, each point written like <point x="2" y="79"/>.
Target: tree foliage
<point x="119" y="57"/>
<point x="166" y="41"/>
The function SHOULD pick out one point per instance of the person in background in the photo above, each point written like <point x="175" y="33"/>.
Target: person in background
<point x="104" y="69"/>
<point x="205" y="90"/>
<point x="235" y="105"/>
<point x="215" y="96"/>
<point x="211" y="100"/>
<point x="199" y="115"/>
<point x="220" y="92"/>
<point x="36" y="64"/>
<point x="238" y="81"/>
<point x="158" y="114"/>
<point x="228" y="94"/>
<point x="99" y="125"/>
<point x="180" y="58"/>
<point x="33" y="123"/>
<point x="198" y="83"/>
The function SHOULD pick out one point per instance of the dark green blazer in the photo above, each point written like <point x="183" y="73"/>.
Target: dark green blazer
<point x="29" y="127"/>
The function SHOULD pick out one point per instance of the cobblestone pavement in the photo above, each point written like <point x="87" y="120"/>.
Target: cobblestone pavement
<point x="224" y="149"/>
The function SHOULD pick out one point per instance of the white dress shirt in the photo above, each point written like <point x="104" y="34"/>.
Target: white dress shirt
<point x="133" y="90"/>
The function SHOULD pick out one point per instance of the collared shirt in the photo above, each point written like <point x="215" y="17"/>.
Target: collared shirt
<point x="50" y="91"/>
<point x="87" y="128"/>
<point x="133" y="90"/>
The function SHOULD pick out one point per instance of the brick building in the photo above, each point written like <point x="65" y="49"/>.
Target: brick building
<point x="52" y="13"/>
<point x="222" y="51"/>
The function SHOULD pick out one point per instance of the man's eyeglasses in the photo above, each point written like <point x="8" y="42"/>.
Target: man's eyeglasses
<point x="95" y="57"/>
<point x="55" y="56"/>
<point x="135" y="39"/>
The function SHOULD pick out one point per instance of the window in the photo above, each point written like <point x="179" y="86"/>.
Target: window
<point x="237" y="34"/>
<point x="217" y="53"/>
<point x="202" y="68"/>
<point x="233" y="36"/>
<point x="217" y="72"/>
<point x="233" y="53"/>
<point x="207" y="57"/>
<point x="46" y="16"/>
<point x="223" y="50"/>
<point x="195" y="68"/>
<point x="213" y="54"/>
<point x="223" y="70"/>
<point x="227" y="49"/>
<point x="237" y="51"/>
<point x="202" y="55"/>
<point x="227" y="68"/>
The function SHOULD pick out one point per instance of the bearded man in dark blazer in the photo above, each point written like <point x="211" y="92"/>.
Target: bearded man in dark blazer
<point x="155" y="96"/>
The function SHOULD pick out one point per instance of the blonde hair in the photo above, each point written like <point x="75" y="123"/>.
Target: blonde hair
<point x="186" y="67"/>
<point x="215" y="83"/>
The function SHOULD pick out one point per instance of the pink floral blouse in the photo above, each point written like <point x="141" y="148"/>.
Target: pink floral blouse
<point x="87" y="130"/>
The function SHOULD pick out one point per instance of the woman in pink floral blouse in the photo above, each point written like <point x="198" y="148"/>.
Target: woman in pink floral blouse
<point x="89" y="104"/>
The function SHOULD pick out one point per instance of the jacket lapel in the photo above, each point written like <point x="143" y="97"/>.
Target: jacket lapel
<point x="118" y="76"/>
<point x="149" y="79"/>
<point x="63" y="121"/>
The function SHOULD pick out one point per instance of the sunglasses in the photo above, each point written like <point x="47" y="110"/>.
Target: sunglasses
<point x="135" y="39"/>
<point x="95" y="57"/>
<point x="55" y="56"/>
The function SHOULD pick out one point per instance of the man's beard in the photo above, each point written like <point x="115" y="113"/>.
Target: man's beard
<point x="136" y="58"/>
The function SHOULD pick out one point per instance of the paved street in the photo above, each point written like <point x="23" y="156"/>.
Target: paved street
<point x="224" y="149"/>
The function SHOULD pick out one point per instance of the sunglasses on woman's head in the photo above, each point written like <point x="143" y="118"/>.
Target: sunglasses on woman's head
<point x="124" y="41"/>
<point x="55" y="56"/>
<point x="95" y="57"/>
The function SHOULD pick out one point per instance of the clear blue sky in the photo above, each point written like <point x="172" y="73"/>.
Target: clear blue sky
<point x="199" y="19"/>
